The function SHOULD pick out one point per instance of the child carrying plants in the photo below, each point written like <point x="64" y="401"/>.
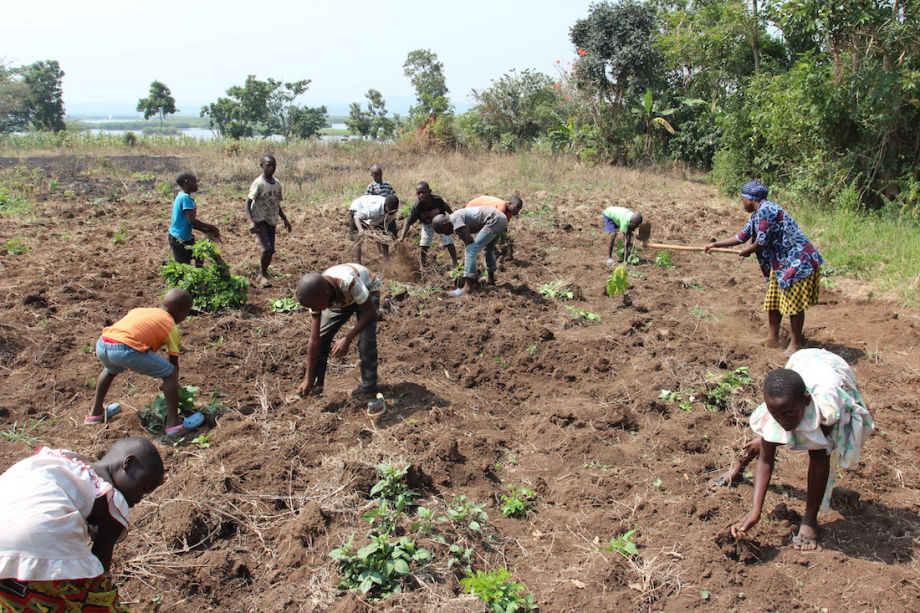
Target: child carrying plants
<point x="423" y="211"/>
<point x="488" y="223"/>
<point x="788" y="260"/>
<point x="184" y="219"/>
<point x="617" y="218"/>
<point x="378" y="187"/>
<point x="132" y="342"/>
<point x="377" y="212"/>
<point x="333" y="297"/>
<point x="263" y="208"/>
<point x="812" y="404"/>
<point x="51" y="501"/>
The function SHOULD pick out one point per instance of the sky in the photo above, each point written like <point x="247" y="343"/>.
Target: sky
<point x="112" y="50"/>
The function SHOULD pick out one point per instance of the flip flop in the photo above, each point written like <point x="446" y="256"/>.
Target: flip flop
<point x="110" y="411"/>
<point x="189" y="423"/>
<point x="800" y="540"/>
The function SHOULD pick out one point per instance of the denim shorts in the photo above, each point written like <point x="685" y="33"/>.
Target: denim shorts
<point x="118" y="357"/>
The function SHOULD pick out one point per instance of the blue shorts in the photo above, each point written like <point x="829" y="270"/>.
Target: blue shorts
<point x="118" y="357"/>
<point x="610" y="225"/>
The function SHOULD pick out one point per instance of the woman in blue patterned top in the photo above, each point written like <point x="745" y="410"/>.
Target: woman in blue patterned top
<point x="787" y="259"/>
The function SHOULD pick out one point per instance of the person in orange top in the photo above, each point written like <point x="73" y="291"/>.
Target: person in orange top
<point x="132" y="342"/>
<point x="511" y="207"/>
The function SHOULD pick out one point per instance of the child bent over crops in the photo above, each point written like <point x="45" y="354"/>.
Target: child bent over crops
<point x="812" y="404"/>
<point x="377" y="212"/>
<point x="616" y="219"/>
<point x="333" y="297"/>
<point x="488" y="223"/>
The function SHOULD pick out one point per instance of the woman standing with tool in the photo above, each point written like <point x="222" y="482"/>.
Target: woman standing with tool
<point x="787" y="259"/>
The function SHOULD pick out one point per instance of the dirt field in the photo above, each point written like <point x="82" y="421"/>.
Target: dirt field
<point x="502" y="389"/>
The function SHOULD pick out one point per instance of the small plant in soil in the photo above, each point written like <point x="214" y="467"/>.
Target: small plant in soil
<point x="556" y="290"/>
<point x="460" y="556"/>
<point x="155" y="415"/>
<point x="518" y="502"/>
<point x="717" y="398"/>
<point x="203" y="441"/>
<point x="393" y="496"/>
<point x="623" y="545"/>
<point x="663" y="259"/>
<point x="683" y="398"/>
<point x="29" y="433"/>
<point x="379" y="568"/>
<point x="632" y="258"/>
<point x="212" y="287"/>
<point x="616" y="281"/>
<point x="16" y="246"/>
<point x="583" y="316"/>
<point x="466" y="514"/>
<point x="285" y="305"/>
<point x="498" y="591"/>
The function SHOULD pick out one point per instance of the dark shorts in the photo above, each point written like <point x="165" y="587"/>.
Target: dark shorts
<point x="266" y="233"/>
<point x="181" y="250"/>
<point x="610" y="225"/>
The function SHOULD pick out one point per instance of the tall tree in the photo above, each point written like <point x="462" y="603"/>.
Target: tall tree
<point x="14" y="96"/>
<point x="45" y="99"/>
<point x="426" y="73"/>
<point x="372" y="122"/>
<point x="159" y="102"/>
<point x="516" y="109"/>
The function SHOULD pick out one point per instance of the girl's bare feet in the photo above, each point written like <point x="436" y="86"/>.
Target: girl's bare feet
<point x="771" y="342"/>
<point x="806" y="539"/>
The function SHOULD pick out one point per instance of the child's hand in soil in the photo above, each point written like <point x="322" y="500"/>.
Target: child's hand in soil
<point x="747" y="522"/>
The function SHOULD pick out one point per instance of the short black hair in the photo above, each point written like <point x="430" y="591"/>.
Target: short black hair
<point x="183" y="177"/>
<point x="142" y="449"/>
<point x="516" y="200"/>
<point x="782" y="383"/>
<point x="391" y="201"/>
<point x="422" y="184"/>
<point x="268" y="156"/>
<point x="375" y="168"/>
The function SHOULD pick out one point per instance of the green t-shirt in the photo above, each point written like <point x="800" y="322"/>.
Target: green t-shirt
<point x="620" y="216"/>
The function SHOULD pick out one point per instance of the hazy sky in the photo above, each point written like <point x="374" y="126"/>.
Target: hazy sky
<point x="111" y="51"/>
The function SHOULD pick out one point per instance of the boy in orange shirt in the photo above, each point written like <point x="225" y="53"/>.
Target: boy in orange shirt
<point x="510" y="208"/>
<point x="132" y="342"/>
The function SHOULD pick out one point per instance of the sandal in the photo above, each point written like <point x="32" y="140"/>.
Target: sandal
<point x="110" y="411"/>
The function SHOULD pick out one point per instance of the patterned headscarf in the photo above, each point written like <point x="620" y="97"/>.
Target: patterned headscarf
<point x="754" y="190"/>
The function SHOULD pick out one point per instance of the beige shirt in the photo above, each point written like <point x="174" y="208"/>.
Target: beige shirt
<point x="266" y="200"/>
<point x="355" y="281"/>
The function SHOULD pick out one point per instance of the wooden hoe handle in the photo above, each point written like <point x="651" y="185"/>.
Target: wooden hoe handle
<point x="688" y="248"/>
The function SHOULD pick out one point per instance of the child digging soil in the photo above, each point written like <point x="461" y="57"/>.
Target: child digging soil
<point x="812" y="404"/>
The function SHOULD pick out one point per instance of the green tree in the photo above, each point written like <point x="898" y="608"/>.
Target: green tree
<point x="651" y="114"/>
<point x="14" y="95"/>
<point x="306" y="122"/>
<point x="516" y="110"/>
<point x="426" y="73"/>
<point x="45" y="102"/>
<point x="372" y="122"/>
<point x="160" y="102"/>
<point x="280" y="107"/>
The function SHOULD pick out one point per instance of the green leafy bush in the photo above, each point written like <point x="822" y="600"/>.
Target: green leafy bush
<point x="616" y="281"/>
<point x="212" y="287"/>
<point x="517" y="502"/>
<point x="378" y="568"/>
<point x="155" y="416"/>
<point x="498" y="591"/>
<point x="16" y="246"/>
<point x="663" y="259"/>
<point x="717" y="398"/>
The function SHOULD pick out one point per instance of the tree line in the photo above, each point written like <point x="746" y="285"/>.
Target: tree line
<point x="818" y="95"/>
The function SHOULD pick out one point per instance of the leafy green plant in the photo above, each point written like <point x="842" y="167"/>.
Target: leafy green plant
<point x="517" y="502"/>
<point x="684" y="398"/>
<point x="203" y="441"/>
<point x="285" y="305"/>
<point x="531" y="350"/>
<point x="120" y="236"/>
<point x="378" y="569"/>
<point x="212" y="287"/>
<point x="456" y="272"/>
<point x="16" y="246"/>
<point x="583" y="316"/>
<point x="632" y="258"/>
<point x="716" y="399"/>
<point x="623" y="545"/>
<point x="663" y="259"/>
<point x="460" y="556"/>
<point x="466" y="514"/>
<point x="700" y="312"/>
<point x="155" y="415"/>
<point x="28" y="433"/>
<point x="616" y="281"/>
<point x="498" y="591"/>
<point x="393" y="496"/>
<point x="556" y="290"/>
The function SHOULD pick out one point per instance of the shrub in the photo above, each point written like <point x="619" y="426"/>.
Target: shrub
<point x="498" y="591"/>
<point x="212" y="287"/>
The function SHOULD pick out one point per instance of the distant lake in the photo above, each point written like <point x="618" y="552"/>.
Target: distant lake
<point x="200" y="133"/>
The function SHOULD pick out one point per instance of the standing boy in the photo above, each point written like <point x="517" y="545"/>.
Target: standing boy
<point x="333" y="297"/>
<point x="488" y="223"/>
<point x="372" y="212"/>
<point x="51" y="501"/>
<point x="424" y="210"/>
<point x="184" y="218"/>
<point x="132" y="342"/>
<point x="378" y="187"/>
<point x="617" y="218"/>
<point x="263" y="208"/>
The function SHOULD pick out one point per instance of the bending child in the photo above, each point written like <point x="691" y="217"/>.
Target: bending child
<point x="424" y="210"/>
<point x="812" y="404"/>
<point x="132" y="342"/>
<point x="376" y="212"/>
<point x="788" y="261"/>
<point x="185" y="218"/>
<point x="617" y="218"/>
<point x="488" y="223"/>
<point x="333" y="297"/>
<point x="51" y="501"/>
<point x="263" y="208"/>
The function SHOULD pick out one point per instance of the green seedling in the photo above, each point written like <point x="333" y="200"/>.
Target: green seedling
<point x="29" y="433"/>
<point x="531" y="350"/>
<point x="498" y="591"/>
<point x="466" y="514"/>
<point x="16" y="246"/>
<point x="623" y="545"/>
<point x="581" y="315"/>
<point x="285" y="305"/>
<point x="717" y="398"/>
<point x="663" y="259"/>
<point x="518" y="502"/>
<point x="684" y="398"/>
<point x="616" y="281"/>
<point x="203" y="441"/>
<point x="377" y="569"/>
<point x="556" y="290"/>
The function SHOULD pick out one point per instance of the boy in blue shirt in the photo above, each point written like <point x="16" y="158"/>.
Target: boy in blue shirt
<point x="184" y="219"/>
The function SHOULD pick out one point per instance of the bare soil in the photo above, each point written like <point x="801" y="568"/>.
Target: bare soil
<point x="501" y="388"/>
